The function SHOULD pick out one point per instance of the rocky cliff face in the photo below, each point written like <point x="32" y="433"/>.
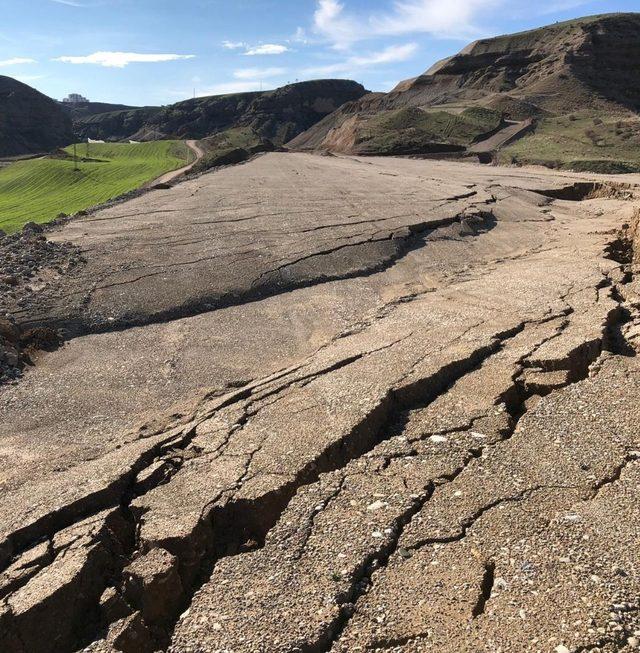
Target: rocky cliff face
<point x="278" y="115"/>
<point x="563" y="67"/>
<point x="30" y="122"/>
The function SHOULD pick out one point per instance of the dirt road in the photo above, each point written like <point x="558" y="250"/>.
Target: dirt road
<point x="333" y="404"/>
<point x="174" y="174"/>
<point x="505" y="136"/>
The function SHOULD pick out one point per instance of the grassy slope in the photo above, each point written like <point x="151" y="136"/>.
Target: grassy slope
<point x="38" y="190"/>
<point x="414" y="130"/>
<point x="229" y="139"/>
<point x="581" y="142"/>
<point x="224" y="148"/>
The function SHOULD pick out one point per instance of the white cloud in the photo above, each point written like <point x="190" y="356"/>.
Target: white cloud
<point x="300" y="36"/>
<point x="258" y="73"/>
<point x="267" y="48"/>
<point x="233" y="45"/>
<point x="444" y="18"/>
<point x="391" y="54"/>
<point x="330" y="21"/>
<point x="16" y="61"/>
<point x="122" y="59"/>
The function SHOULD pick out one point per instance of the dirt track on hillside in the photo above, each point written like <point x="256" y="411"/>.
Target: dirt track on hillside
<point x="333" y="404"/>
<point x="168" y="177"/>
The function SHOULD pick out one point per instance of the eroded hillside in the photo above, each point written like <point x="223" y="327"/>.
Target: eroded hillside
<point x="569" y="91"/>
<point x="277" y="115"/>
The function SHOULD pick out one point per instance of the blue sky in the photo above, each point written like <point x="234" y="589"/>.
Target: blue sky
<point x="158" y="51"/>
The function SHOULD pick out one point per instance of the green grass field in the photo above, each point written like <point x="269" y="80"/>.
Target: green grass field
<point x="580" y="142"/>
<point x="412" y="130"/>
<point x="40" y="189"/>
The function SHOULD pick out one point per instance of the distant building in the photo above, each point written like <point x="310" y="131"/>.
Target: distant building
<point x="75" y="98"/>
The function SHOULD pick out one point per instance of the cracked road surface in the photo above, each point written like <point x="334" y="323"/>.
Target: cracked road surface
<point x="334" y="404"/>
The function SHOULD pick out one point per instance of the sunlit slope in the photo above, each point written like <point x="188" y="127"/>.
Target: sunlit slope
<point x="38" y="190"/>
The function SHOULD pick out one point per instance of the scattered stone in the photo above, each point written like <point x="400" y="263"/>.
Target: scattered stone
<point x="130" y="635"/>
<point x="438" y="439"/>
<point x="27" y="257"/>
<point x="113" y="607"/>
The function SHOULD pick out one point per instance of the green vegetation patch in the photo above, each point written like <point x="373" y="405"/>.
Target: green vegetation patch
<point x="229" y="147"/>
<point x="580" y="142"/>
<point x="413" y="131"/>
<point x="229" y="139"/>
<point x="40" y="189"/>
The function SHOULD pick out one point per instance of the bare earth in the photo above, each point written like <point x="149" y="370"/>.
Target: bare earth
<point x="333" y="404"/>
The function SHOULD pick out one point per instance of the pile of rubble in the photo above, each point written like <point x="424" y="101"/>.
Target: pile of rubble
<point x="28" y="263"/>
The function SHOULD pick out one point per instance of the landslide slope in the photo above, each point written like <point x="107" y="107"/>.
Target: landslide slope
<point x="277" y="115"/>
<point x="586" y="65"/>
<point x="30" y="122"/>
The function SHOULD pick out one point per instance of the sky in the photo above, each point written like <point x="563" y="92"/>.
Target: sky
<point x="154" y="52"/>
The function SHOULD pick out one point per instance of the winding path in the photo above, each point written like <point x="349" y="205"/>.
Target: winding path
<point x="174" y="174"/>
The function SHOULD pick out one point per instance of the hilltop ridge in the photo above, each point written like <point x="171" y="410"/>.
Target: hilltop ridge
<point x="586" y="66"/>
<point x="278" y="115"/>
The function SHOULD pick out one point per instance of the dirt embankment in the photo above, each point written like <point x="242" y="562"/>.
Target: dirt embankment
<point x="29" y="265"/>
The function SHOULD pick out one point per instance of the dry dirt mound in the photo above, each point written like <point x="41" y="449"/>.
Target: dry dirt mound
<point x="29" y="266"/>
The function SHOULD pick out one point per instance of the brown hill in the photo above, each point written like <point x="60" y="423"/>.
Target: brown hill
<point x="558" y="68"/>
<point x="79" y="110"/>
<point x="277" y="115"/>
<point x="588" y="64"/>
<point x="30" y="122"/>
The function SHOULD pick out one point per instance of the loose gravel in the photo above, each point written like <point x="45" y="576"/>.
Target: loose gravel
<point x="28" y="264"/>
